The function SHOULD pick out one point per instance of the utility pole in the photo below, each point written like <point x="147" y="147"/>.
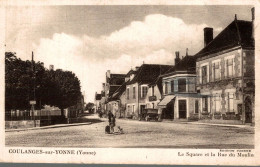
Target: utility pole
<point x="33" y="102"/>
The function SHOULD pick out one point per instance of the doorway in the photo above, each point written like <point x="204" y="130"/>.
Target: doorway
<point x="182" y="109"/>
<point x="142" y="107"/>
<point x="248" y="110"/>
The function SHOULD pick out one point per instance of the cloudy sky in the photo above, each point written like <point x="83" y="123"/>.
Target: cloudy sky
<point x="89" y="40"/>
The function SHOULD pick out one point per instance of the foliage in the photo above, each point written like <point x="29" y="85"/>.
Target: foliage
<point x="57" y="88"/>
<point x="89" y="106"/>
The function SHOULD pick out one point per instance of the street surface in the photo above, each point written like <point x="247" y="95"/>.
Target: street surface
<point x="137" y="134"/>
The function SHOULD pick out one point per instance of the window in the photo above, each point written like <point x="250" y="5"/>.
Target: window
<point x="216" y="71"/>
<point x="128" y="109"/>
<point x="175" y="85"/>
<point x="134" y="92"/>
<point x="172" y="86"/>
<point x="144" y="91"/>
<point x="166" y="88"/>
<point x="229" y="64"/>
<point x="205" y="105"/>
<point x="230" y="102"/>
<point x="196" y="106"/>
<point x="182" y="85"/>
<point x="204" y="74"/>
<point x="133" y="109"/>
<point x="216" y="103"/>
<point x="152" y="90"/>
<point x="191" y="84"/>
<point x="127" y="93"/>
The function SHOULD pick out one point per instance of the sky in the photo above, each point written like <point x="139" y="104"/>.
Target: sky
<point x="89" y="40"/>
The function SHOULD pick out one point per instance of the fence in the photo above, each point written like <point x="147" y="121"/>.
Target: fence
<point x="46" y="117"/>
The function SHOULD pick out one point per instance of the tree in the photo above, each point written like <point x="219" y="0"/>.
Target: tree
<point x="56" y="88"/>
<point x="19" y="81"/>
<point x="62" y="88"/>
<point x="89" y="106"/>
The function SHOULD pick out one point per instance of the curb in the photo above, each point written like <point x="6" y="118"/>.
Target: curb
<point x="225" y="125"/>
<point x="48" y="127"/>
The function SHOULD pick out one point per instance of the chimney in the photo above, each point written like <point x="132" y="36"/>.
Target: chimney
<point x="51" y="67"/>
<point x="253" y="22"/>
<point x="177" y="59"/>
<point x="208" y="35"/>
<point x="108" y="73"/>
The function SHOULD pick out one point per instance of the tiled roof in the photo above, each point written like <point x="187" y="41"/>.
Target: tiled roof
<point x="147" y="73"/>
<point x="237" y="33"/>
<point x="186" y="65"/>
<point x="158" y="82"/>
<point x="116" y="79"/>
<point x="112" y="89"/>
<point x="116" y="95"/>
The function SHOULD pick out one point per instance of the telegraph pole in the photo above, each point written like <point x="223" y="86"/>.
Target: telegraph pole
<point x="33" y="102"/>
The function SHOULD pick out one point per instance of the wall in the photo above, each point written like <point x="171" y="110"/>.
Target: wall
<point x="213" y="57"/>
<point x="226" y="85"/>
<point x="21" y="124"/>
<point x="157" y="93"/>
<point x="190" y="107"/>
<point x="175" y="78"/>
<point x="122" y="105"/>
<point x="136" y="102"/>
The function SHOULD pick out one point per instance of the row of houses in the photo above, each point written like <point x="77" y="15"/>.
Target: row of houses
<point x="217" y="84"/>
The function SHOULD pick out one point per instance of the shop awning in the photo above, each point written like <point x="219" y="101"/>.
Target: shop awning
<point x="165" y="101"/>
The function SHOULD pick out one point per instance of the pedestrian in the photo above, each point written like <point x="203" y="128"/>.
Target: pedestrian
<point x="112" y="123"/>
<point x="109" y="116"/>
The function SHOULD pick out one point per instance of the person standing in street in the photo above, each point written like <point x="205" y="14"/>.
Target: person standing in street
<point x="112" y="123"/>
<point x="109" y="116"/>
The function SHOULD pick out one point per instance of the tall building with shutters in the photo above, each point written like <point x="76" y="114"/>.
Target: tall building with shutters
<point x="226" y="74"/>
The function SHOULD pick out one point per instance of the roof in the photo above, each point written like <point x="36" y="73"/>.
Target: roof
<point x="112" y="89"/>
<point x="158" y="82"/>
<point x="116" y="95"/>
<point x="186" y="65"/>
<point x="98" y="97"/>
<point x="116" y="79"/>
<point x="130" y="72"/>
<point x="237" y="33"/>
<point x="147" y="73"/>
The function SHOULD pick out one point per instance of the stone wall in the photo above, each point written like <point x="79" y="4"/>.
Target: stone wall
<point x="21" y="124"/>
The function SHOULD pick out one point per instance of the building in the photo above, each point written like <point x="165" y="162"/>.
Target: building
<point x="225" y="74"/>
<point x="113" y="82"/>
<point x="118" y="101"/>
<point x="137" y="87"/>
<point x="97" y="102"/>
<point x="180" y="99"/>
<point x="154" y="94"/>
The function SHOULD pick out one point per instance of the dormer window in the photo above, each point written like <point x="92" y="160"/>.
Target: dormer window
<point x="132" y="76"/>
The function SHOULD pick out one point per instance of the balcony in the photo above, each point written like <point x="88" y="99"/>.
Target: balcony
<point x="152" y="98"/>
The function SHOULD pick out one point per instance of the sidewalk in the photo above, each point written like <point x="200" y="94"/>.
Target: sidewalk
<point x="225" y="125"/>
<point x="197" y="123"/>
<point x="48" y="127"/>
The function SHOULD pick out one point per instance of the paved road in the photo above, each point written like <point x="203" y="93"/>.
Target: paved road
<point x="137" y="135"/>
